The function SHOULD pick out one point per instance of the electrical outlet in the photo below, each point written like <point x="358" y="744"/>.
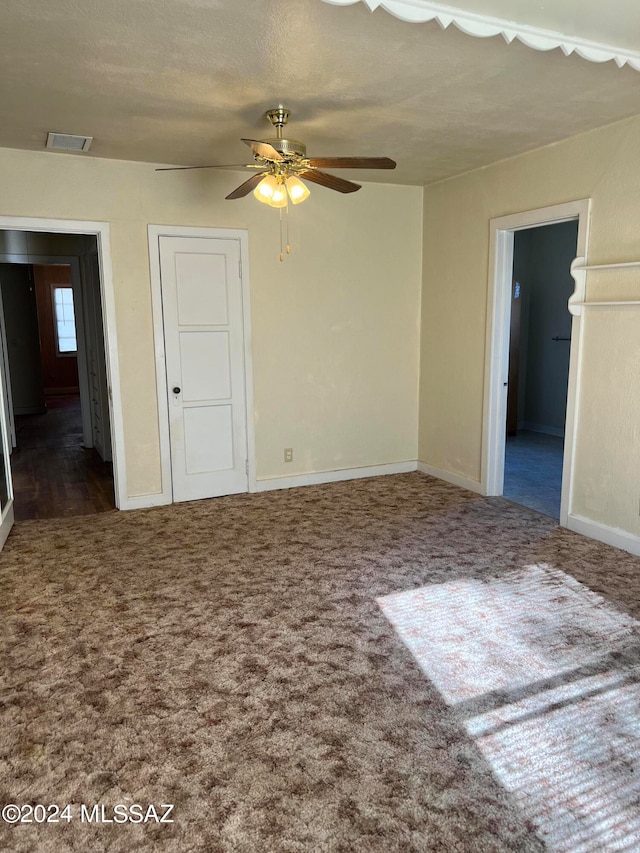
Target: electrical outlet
<point x="288" y="454"/>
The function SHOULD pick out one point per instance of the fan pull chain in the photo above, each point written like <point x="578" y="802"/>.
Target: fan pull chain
<point x="284" y="226"/>
<point x="281" y="241"/>
<point x="288" y="246"/>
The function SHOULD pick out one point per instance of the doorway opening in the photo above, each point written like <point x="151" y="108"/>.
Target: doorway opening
<point x="501" y="413"/>
<point x="539" y="348"/>
<point x="55" y="385"/>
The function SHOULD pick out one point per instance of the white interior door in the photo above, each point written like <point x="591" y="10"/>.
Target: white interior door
<point x="204" y="350"/>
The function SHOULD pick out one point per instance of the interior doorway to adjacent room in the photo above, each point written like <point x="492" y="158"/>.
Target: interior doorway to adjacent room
<point x="503" y="293"/>
<point x="539" y="350"/>
<point x="55" y="385"/>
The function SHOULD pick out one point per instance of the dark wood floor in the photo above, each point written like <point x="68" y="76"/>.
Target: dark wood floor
<point x="53" y="474"/>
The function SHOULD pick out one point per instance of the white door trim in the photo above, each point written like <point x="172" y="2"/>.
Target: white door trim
<point x="7" y="398"/>
<point x="101" y="231"/>
<point x="242" y="236"/>
<point x="502" y="230"/>
<point x="6" y="515"/>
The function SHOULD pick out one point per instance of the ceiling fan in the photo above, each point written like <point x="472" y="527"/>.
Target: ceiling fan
<point x="283" y="162"/>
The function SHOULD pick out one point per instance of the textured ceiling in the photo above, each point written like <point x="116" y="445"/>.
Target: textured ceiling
<point x="180" y="81"/>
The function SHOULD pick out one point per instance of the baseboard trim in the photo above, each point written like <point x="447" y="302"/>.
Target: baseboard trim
<point x="271" y="483"/>
<point x="4" y="531"/>
<point x="318" y="478"/>
<point x="30" y="410"/>
<point x="544" y="429"/>
<point x="609" y="535"/>
<point x="71" y="391"/>
<point x="145" y="501"/>
<point x="449" y="477"/>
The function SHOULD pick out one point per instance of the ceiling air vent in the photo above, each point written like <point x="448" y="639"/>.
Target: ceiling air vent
<point x="68" y="142"/>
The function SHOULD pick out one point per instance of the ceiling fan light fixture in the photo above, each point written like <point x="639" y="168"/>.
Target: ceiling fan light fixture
<point x="265" y="189"/>
<point x="298" y="192"/>
<point x="271" y="191"/>
<point x="279" y="197"/>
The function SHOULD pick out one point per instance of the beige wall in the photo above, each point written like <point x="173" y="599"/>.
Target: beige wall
<point x="335" y="327"/>
<point x="603" y="165"/>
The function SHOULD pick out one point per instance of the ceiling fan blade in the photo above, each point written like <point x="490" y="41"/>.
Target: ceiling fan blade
<point x="245" y="189"/>
<point x="263" y="149"/>
<point x="329" y="181"/>
<point x="185" y="168"/>
<point x="352" y="162"/>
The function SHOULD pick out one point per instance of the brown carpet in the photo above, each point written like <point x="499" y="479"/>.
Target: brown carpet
<point x="241" y="658"/>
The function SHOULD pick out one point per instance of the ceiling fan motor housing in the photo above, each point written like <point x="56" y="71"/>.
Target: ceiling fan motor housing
<point x="288" y="147"/>
<point x="278" y="117"/>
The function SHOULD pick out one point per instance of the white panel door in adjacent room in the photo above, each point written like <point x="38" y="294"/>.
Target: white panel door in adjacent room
<point x="204" y="349"/>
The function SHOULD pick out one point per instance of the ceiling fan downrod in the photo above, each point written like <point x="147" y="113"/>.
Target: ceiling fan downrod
<point x="278" y="117"/>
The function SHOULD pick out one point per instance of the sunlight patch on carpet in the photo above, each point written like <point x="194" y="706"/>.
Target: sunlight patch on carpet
<point x="546" y="676"/>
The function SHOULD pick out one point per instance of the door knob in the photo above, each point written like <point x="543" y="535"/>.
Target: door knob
<point x="176" y="390"/>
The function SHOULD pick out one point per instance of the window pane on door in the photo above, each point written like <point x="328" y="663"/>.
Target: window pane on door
<point x="65" y="319"/>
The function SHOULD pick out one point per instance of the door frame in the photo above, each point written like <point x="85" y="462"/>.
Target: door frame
<point x="7" y="397"/>
<point x="101" y="231"/>
<point x="6" y="512"/>
<point x="502" y="230"/>
<point x="155" y="232"/>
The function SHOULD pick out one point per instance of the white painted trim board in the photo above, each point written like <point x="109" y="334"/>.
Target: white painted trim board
<point x="501" y="242"/>
<point x="319" y="477"/>
<point x="146" y="501"/>
<point x="609" y="535"/>
<point x="486" y="26"/>
<point x="450" y="477"/>
<point x="101" y="231"/>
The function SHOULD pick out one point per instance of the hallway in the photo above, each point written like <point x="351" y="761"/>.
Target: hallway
<point x="54" y="476"/>
<point x="533" y="471"/>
